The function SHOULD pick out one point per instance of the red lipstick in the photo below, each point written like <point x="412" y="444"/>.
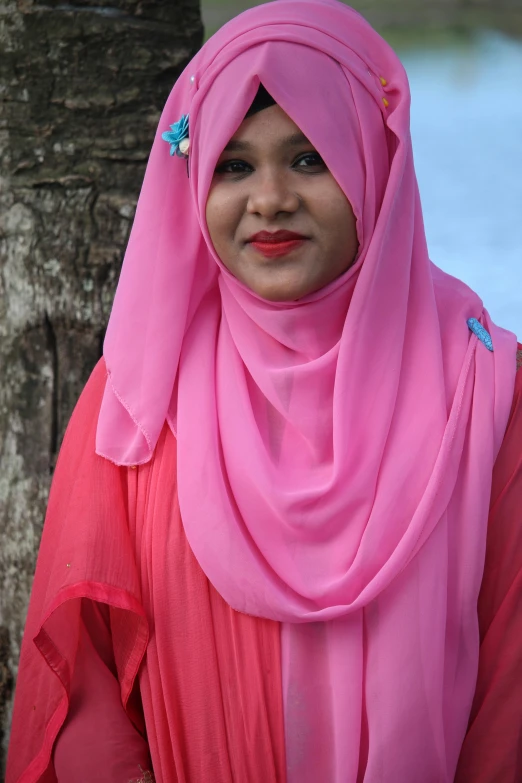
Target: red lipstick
<point x="277" y="243"/>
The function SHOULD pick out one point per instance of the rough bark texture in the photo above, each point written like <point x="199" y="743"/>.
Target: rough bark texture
<point x="82" y="87"/>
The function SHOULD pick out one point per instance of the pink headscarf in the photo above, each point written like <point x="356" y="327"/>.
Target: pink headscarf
<point x="335" y="453"/>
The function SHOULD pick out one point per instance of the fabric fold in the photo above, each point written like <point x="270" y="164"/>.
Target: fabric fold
<point x="98" y="741"/>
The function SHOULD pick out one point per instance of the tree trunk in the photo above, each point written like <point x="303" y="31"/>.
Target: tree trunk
<point x="82" y="88"/>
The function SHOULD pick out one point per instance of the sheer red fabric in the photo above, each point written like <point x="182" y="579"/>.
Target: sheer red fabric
<point x="86" y="552"/>
<point x="213" y="701"/>
<point x="211" y="681"/>
<point x="223" y="698"/>
<point x="98" y="741"/>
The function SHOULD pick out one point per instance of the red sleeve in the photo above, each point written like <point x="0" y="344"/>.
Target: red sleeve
<point x="492" y="750"/>
<point x="86" y="552"/>
<point x="98" y="741"/>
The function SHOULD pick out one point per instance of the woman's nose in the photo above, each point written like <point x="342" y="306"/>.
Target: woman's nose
<point x="271" y="193"/>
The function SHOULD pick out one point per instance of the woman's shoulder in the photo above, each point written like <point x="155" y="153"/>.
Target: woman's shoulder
<point x="77" y="461"/>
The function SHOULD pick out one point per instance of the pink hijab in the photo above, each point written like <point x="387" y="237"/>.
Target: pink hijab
<point x="335" y="453"/>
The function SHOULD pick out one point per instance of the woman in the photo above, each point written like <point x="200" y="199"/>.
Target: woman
<point x="266" y="536"/>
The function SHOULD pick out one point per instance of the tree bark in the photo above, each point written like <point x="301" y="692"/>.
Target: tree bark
<point x="82" y="89"/>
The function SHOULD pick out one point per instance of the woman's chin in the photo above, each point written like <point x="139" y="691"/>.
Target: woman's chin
<point x="281" y="287"/>
<point x="278" y="293"/>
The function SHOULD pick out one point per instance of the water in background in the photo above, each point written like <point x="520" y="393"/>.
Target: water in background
<point x="467" y="139"/>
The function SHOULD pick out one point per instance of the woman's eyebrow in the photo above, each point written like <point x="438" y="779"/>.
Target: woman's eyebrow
<point x="295" y="140"/>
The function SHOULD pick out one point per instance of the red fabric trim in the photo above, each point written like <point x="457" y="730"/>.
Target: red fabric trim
<point x="40" y="763"/>
<point x="97" y="741"/>
<point x="105" y="594"/>
<point x="60" y="665"/>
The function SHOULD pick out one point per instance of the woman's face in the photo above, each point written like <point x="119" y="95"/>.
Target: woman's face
<point x="270" y="179"/>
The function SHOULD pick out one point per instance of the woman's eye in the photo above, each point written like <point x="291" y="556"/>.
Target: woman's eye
<point x="233" y="167"/>
<point x="310" y="160"/>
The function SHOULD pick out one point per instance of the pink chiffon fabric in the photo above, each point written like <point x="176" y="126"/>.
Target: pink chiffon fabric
<point x="335" y="454"/>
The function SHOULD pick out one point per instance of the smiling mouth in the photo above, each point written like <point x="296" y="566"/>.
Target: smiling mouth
<point x="274" y="244"/>
<point x="271" y="249"/>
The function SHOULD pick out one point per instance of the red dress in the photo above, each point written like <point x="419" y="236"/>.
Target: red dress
<point x="89" y="626"/>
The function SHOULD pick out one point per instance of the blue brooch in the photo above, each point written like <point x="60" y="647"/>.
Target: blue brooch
<point x="483" y="335"/>
<point x="178" y="137"/>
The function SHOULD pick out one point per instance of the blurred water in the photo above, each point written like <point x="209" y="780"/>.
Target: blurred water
<point x="467" y="138"/>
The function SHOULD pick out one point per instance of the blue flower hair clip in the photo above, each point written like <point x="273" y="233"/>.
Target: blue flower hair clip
<point x="178" y="137"/>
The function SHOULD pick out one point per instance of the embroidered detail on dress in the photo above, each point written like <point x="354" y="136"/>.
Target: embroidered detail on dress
<point x="146" y="777"/>
<point x="519" y="359"/>
<point x="483" y="335"/>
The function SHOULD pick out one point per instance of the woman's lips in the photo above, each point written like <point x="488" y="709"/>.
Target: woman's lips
<point x="276" y="249"/>
<point x="277" y="243"/>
